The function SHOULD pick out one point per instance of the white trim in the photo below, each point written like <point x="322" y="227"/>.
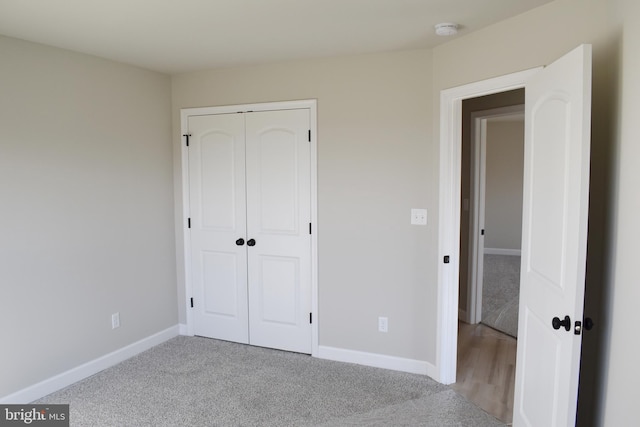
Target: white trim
<point x="185" y="113"/>
<point x="449" y="212"/>
<point x="477" y="221"/>
<point x="183" y="329"/>
<point x="313" y="123"/>
<point x="377" y="360"/>
<point x="55" y="383"/>
<point x="242" y="108"/>
<point x="181" y="224"/>
<point x="499" y="251"/>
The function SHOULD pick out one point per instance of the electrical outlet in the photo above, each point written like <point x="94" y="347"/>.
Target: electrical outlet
<point x="383" y="324"/>
<point x="419" y="216"/>
<point x="115" y="320"/>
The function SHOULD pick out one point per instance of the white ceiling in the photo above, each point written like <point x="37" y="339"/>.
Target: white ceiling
<point x="174" y="36"/>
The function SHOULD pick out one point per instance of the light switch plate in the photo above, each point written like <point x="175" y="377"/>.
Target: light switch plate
<point x="419" y="216"/>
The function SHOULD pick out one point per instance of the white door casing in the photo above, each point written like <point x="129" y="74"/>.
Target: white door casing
<point x="554" y="240"/>
<point x="271" y="151"/>
<point x="477" y="225"/>
<point x="449" y="211"/>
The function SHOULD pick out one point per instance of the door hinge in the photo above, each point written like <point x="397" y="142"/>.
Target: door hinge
<point x="188" y="222"/>
<point x="309" y="228"/>
<point x="309" y="135"/>
<point x="446" y="259"/>
<point x="187" y="135"/>
<point x="310" y="317"/>
<point x="191" y="302"/>
<point x="482" y="232"/>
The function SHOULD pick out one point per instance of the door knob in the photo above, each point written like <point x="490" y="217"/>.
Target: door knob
<point x="588" y="323"/>
<point x="557" y="323"/>
<point x="240" y="242"/>
<point x="251" y="242"/>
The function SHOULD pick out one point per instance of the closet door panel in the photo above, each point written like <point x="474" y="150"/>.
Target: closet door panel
<point x="276" y="176"/>
<point x="278" y="215"/>
<point x="218" y="181"/>
<point x="279" y="290"/>
<point x="218" y="220"/>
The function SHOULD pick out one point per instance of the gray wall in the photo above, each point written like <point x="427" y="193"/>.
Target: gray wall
<point x="504" y="176"/>
<point x="621" y="371"/>
<point x="86" y="224"/>
<point x="376" y="161"/>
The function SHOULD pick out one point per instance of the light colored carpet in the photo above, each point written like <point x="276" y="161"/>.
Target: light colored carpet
<point x="192" y="381"/>
<point x="501" y="293"/>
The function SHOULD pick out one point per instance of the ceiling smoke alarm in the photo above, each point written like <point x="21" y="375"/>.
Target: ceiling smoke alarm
<point x="447" y="29"/>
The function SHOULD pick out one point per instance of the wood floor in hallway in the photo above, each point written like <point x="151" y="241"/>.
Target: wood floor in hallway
<point x="486" y="369"/>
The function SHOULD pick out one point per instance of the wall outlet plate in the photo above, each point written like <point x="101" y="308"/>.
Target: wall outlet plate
<point x="115" y="320"/>
<point x="419" y="216"/>
<point x="383" y="324"/>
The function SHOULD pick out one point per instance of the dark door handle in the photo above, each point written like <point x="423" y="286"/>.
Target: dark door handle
<point x="557" y="323"/>
<point x="251" y="242"/>
<point x="588" y="323"/>
<point x="240" y="242"/>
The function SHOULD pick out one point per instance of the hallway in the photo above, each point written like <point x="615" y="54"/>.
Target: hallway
<point x="486" y="369"/>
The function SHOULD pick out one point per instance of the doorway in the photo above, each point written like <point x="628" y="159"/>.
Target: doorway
<point x="450" y="230"/>
<point x="554" y="233"/>
<point x="491" y="207"/>
<point x="490" y="219"/>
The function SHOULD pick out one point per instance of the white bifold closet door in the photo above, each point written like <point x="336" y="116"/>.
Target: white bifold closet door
<point x="250" y="210"/>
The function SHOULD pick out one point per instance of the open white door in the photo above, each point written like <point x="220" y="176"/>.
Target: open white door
<point x="554" y="241"/>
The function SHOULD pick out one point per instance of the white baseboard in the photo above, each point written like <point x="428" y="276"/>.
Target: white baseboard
<point x="182" y="329"/>
<point x="500" y="251"/>
<point x="377" y="360"/>
<point x="85" y="370"/>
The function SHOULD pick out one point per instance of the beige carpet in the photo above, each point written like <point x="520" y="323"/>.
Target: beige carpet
<point x="192" y="381"/>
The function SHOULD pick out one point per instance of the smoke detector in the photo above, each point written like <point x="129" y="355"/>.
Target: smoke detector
<point x="447" y="29"/>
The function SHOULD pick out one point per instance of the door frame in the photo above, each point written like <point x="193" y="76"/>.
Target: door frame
<point x="449" y="211"/>
<point x="477" y="196"/>
<point x="183" y="203"/>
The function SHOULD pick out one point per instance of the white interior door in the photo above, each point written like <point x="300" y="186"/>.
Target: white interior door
<point x="218" y="220"/>
<point x="556" y="192"/>
<point x="278" y="221"/>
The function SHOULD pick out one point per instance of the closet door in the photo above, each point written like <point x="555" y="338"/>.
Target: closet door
<point x="278" y="217"/>
<point x="218" y="222"/>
